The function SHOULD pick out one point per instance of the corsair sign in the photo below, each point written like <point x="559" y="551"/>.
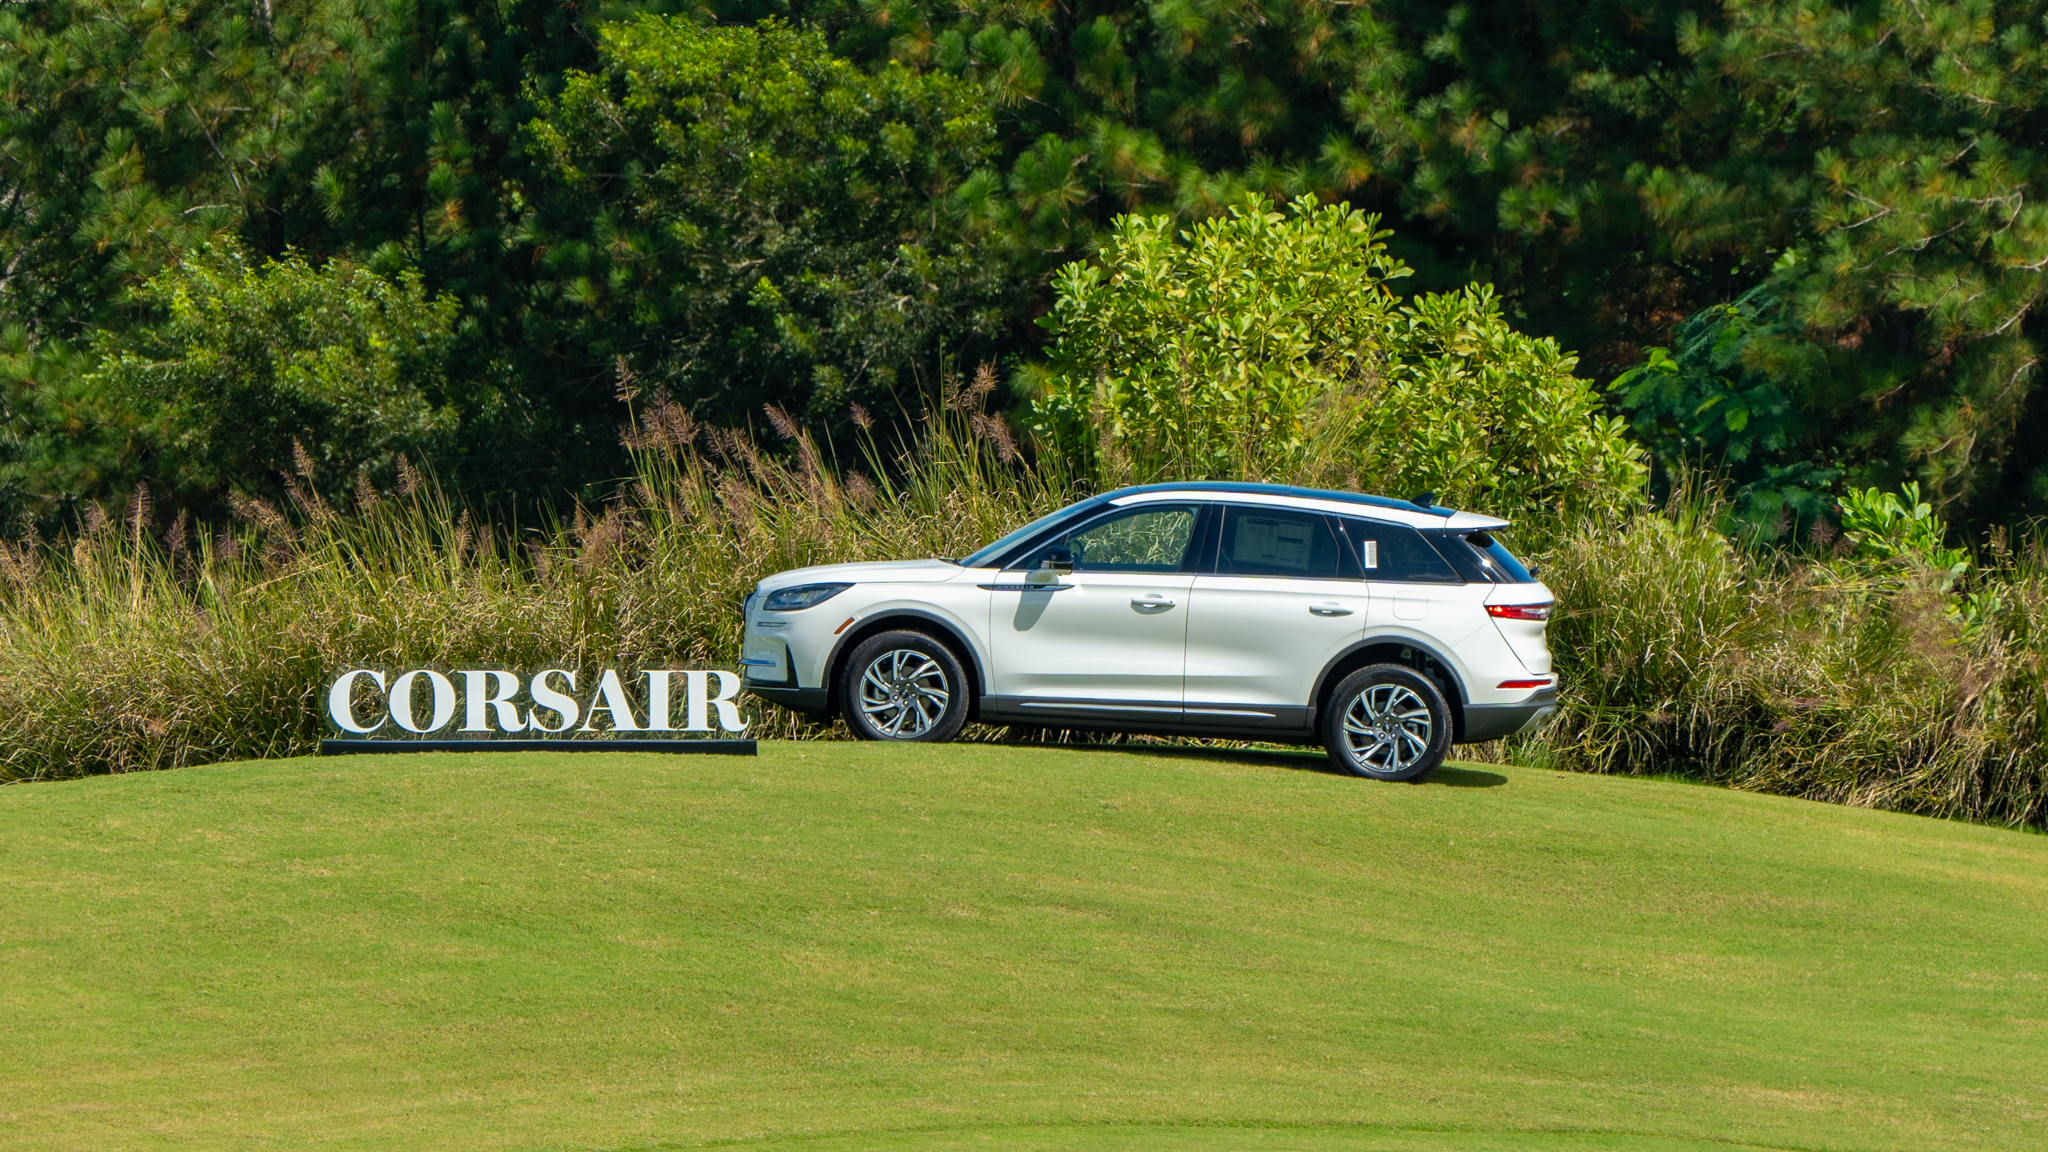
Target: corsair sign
<point x="487" y="703"/>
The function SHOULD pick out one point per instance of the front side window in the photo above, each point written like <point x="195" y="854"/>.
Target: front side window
<point x="1277" y="542"/>
<point x="1397" y="553"/>
<point x="1149" y="538"/>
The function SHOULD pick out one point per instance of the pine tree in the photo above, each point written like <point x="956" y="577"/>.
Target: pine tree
<point x="741" y="217"/>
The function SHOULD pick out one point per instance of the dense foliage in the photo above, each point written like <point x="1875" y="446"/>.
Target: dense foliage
<point x="1613" y="168"/>
<point x="337" y="370"/>
<point x="1806" y="221"/>
<point x="1867" y="170"/>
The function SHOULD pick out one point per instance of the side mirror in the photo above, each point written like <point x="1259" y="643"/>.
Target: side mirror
<point x="1058" y="562"/>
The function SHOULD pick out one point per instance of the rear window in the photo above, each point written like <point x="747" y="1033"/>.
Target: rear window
<point x="1397" y="553"/>
<point x="1500" y="564"/>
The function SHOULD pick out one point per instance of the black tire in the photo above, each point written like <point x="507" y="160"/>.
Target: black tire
<point x="1387" y="722"/>
<point x="917" y="691"/>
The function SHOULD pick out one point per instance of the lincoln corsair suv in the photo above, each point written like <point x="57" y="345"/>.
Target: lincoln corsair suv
<point x="1383" y="630"/>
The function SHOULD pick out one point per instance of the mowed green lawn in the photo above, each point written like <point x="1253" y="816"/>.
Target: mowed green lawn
<point x="837" y="947"/>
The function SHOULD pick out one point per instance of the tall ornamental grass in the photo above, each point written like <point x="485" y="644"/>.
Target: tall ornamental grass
<point x="1871" y="676"/>
<point x="131" y="648"/>
<point x="1833" y="678"/>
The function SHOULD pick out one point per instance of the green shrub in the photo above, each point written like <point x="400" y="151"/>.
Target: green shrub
<point x="1882" y="527"/>
<point x="1269" y="346"/>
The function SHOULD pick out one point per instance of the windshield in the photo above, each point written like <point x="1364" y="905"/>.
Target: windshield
<point x="994" y="552"/>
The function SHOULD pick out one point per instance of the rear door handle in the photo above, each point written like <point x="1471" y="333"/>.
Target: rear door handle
<point x="1329" y="610"/>
<point x="1150" y="602"/>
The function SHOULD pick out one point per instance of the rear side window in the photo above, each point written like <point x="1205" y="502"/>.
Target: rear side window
<point x="1277" y="542"/>
<point x="1499" y="563"/>
<point x="1397" y="553"/>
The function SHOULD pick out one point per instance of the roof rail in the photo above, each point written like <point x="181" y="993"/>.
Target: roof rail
<point x="1251" y="489"/>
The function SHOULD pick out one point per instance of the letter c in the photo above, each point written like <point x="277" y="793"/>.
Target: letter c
<point x="341" y="707"/>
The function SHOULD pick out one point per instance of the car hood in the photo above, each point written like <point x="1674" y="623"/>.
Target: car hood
<point x="876" y="572"/>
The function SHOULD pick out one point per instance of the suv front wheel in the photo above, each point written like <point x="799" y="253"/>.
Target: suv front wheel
<point x="903" y="686"/>
<point x="1387" y="722"/>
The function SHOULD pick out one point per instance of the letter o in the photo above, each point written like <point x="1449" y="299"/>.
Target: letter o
<point x="341" y="705"/>
<point x="444" y="700"/>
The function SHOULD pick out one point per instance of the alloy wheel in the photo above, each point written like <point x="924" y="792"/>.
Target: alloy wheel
<point x="903" y="693"/>
<point x="1388" y="728"/>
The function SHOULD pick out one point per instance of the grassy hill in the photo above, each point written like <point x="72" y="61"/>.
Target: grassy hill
<point x="841" y="946"/>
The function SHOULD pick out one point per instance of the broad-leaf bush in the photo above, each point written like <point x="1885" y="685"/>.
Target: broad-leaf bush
<point x="1271" y="346"/>
<point x="1882" y="527"/>
<point x="1491" y="418"/>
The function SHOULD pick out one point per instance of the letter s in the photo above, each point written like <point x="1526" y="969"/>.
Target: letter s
<point x="546" y="697"/>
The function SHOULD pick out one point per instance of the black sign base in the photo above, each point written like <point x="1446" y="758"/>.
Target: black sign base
<point x="714" y="747"/>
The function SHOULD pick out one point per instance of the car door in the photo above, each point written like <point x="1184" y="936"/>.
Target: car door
<point x="1278" y="607"/>
<point x="1111" y="636"/>
<point x="1415" y="591"/>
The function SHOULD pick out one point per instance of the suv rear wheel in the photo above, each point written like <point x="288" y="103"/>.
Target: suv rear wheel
<point x="1387" y="722"/>
<point x="903" y="686"/>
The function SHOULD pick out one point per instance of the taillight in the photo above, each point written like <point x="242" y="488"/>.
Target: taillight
<point x="1519" y="611"/>
<point x="1542" y="683"/>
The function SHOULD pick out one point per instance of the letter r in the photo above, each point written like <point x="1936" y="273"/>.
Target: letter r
<point x="476" y="699"/>
<point x="701" y="702"/>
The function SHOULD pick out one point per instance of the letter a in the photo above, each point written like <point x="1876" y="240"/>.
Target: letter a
<point x="611" y="697"/>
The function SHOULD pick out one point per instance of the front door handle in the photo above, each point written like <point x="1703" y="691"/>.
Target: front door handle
<point x="1329" y="610"/>
<point x="1149" y="603"/>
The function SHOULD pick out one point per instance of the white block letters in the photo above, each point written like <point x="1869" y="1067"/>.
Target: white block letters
<point x="492" y="700"/>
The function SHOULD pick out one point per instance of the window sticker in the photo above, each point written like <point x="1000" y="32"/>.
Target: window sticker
<point x="1369" y="553"/>
<point x="1274" y="543"/>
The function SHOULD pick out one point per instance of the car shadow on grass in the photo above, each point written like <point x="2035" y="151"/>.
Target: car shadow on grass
<point x="1292" y="759"/>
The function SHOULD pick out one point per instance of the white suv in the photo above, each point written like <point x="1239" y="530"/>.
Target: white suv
<point x="1384" y="630"/>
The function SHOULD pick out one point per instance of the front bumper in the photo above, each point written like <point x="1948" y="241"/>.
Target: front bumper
<point x="1485" y="722"/>
<point x="811" y="700"/>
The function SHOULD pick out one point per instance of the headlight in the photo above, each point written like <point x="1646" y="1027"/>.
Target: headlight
<point x="803" y="596"/>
